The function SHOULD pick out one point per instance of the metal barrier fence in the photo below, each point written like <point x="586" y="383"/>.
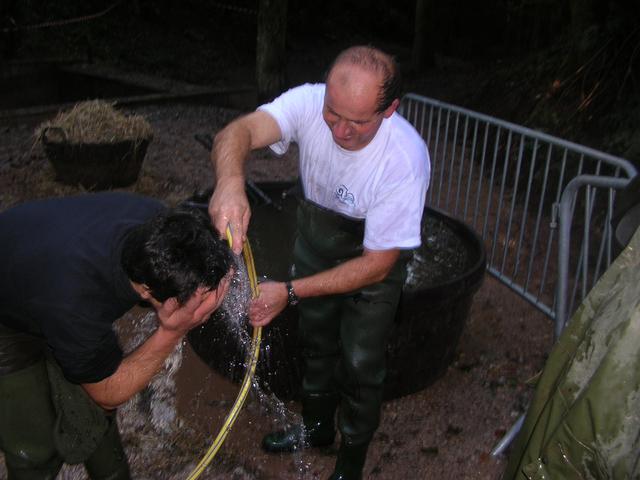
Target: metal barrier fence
<point x="509" y="182"/>
<point x="521" y="190"/>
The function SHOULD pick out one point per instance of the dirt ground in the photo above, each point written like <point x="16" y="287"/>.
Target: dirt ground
<point x="445" y="431"/>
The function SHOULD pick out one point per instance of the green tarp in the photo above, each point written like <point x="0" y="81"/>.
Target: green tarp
<point x="584" y="419"/>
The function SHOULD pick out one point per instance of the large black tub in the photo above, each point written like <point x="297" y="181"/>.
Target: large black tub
<point x="443" y="276"/>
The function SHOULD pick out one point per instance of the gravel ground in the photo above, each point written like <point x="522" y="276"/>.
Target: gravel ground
<point x="445" y="431"/>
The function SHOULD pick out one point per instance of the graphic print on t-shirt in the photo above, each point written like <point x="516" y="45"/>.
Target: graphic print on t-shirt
<point x="345" y="196"/>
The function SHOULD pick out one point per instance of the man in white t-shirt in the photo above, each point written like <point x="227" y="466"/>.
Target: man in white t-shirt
<point x="364" y="172"/>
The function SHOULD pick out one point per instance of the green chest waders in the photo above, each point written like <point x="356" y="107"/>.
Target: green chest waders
<point x="45" y="420"/>
<point x="344" y="336"/>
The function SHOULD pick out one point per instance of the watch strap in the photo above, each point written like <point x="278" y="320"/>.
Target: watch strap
<point x="292" y="298"/>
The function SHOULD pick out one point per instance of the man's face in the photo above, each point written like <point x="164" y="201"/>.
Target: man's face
<point x="350" y="103"/>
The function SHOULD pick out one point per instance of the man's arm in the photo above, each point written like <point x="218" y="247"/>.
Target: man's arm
<point x="371" y="267"/>
<point x="229" y="205"/>
<point x="138" y="368"/>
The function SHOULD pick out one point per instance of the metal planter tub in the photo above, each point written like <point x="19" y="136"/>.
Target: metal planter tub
<point x="443" y="276"/>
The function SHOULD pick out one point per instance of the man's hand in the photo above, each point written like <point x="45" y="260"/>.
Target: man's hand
<point x="229" y="207"/>
<point x="182" y="318"/>
<point x="271" y="301"/>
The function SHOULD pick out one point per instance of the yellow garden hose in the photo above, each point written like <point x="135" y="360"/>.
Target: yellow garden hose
<point x="252" y="361"/>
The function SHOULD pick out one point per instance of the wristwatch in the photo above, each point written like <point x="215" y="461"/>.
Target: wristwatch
<point x="292" y="297"/>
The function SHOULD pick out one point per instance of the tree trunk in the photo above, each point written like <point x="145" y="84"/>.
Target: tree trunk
<point x="8" y="38"/>
<point x="583" y="14"/>
<point x="135" y="8"/>
<point x="423" y="53"/>
<point x="270" y="49"/>
<point x="584" y="22"/>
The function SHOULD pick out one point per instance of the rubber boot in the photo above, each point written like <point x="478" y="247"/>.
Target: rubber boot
<point x="350" y="461"/>
<point x="27" y="419"/>
<point x="318" y="411"/>
<point x="108" y="461"/>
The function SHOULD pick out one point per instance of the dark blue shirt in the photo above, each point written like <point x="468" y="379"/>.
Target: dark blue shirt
<point x="61" y="278"/>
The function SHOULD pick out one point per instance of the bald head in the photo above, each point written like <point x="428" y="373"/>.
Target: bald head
<point x="372" y="61"/>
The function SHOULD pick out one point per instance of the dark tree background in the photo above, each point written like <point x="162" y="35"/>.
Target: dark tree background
<point x="566" y="66"/>
<point x="271" y="59"/>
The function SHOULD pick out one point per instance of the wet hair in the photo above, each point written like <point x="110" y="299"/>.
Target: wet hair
<point x="174" y="253"/>
<point x="376" y="61"/>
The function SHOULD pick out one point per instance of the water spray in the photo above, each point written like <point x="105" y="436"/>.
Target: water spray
<point x="251" y="363"/>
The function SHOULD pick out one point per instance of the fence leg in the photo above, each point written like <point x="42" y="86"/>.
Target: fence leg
<point x="508" y="438"/>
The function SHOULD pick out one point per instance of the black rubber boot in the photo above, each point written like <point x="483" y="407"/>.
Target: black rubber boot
<point x="109" y="461"/>
<point x="27" y="420"/>
<point x="318" y="411"/>
<point x="350" y="462"/>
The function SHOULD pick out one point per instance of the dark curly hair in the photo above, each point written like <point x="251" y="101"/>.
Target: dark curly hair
<point x="176" y="252"/>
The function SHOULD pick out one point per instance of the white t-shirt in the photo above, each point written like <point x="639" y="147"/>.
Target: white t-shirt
<point x="384" y="183"/>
